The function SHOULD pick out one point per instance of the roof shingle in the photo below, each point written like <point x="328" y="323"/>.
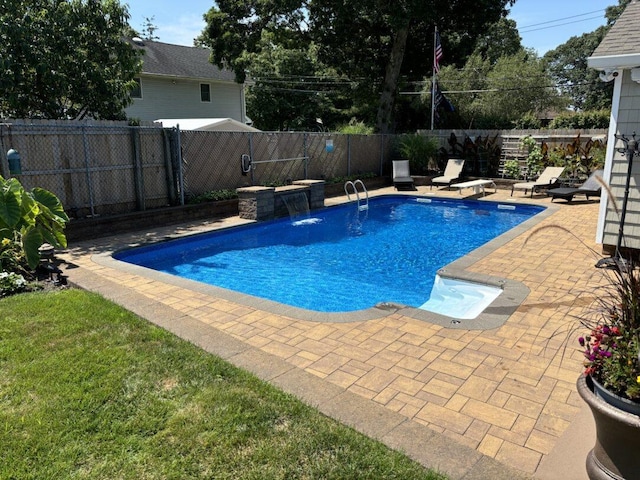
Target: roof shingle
<point x="624" y="36"/>
<point x="179" y="61"/>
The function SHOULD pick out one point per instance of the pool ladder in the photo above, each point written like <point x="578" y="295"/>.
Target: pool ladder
<point x="354" y="186"/>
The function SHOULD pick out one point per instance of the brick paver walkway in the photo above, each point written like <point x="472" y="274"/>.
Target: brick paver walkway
<point x="509" y="393"/>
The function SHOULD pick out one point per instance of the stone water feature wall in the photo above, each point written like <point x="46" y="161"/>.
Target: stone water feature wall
<point x="265" y="203"/>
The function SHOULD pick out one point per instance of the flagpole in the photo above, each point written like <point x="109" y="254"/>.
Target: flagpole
<point x="433" y="78"/>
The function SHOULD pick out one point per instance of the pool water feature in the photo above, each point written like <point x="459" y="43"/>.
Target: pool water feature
<point x="338" y="259"/>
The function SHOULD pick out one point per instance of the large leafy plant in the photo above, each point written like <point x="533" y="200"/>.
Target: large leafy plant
<point x="29" y="219"/>
<point x="420" y="151"/>
<point x="535" y="155"/>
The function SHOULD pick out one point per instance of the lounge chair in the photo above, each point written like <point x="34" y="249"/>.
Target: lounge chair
<point x="452" y="172"/>
<point x="547" y="179"/>
<point x="402" y="179"/>
<point x="591" y="188"/>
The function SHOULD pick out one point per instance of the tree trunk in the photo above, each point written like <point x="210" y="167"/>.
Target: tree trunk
<point x="388" y="95"/>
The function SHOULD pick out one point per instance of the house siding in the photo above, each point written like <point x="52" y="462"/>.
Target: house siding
<point x="628" y="123"/>
<point x="180" y="98"/>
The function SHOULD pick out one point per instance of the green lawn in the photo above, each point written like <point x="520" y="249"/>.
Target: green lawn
<point x="89" y="390"/>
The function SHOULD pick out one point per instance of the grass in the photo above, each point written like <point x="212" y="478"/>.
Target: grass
<point x="89" y="390"/>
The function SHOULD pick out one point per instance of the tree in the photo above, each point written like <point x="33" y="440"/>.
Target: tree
<point x="613" y="12"/>
<point x="371" y="42"/>
<point x="65" y="59"/>
<point x="149" y="29"/>
<point x="395" y="38"/>
<point x="519" y="84"/>
<point x="470" y="81"/>
<point x="501" y="39"/>
<point x="291" y="88"/>
<point x="567" y="65"/>
<point x="497" y="95"/>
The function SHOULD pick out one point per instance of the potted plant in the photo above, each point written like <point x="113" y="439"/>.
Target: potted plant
<point x="608" y="333"/>
<point x="610" y="383"/>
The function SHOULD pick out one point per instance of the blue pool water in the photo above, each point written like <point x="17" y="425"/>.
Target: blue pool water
<point x="339" y="259"/>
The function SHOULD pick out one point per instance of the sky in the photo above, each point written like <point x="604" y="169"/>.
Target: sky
<point x="543" y="24"/>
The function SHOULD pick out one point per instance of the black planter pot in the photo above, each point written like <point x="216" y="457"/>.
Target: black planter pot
<point x="616" y="454"/>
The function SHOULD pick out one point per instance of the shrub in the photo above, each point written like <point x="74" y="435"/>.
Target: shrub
<point x="355" y="127"/>
<point x="421" y="152"/>
<point x="512" y="169"/>
<point x="535" y="157"/>
<point x="27" y="220"/>
<point x="528" y="121"/>
<point x="582" y="120"/>
<point x="348" y="178"/>
<point x="214" y="196"/>
<point x="10" y="283"/>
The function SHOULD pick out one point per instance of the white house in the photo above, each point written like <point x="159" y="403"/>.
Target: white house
<point x="180" y="82"/>
<point x="618" y="57"/>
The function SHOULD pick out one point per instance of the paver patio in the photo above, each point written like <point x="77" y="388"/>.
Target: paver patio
<point x="506" y="394"/>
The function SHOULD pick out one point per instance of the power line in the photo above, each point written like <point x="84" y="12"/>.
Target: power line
<point x="302" y="81"/>
<point x="563" y="18"/>
<point x="490" y="90"/>
<point x="559" y="25"/>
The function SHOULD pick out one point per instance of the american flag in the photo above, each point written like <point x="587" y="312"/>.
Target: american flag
<point x="437" y="53"/>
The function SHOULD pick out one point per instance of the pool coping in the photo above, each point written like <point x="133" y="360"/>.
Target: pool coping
<point x="494" y="316"/>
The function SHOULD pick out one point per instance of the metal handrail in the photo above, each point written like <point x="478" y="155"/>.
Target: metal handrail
<point x="355" y="190"/>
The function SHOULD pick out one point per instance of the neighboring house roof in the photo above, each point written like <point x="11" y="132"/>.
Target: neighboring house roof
<point x="208" y="124"/>
<point x="620" y="48"/>
<point x="179" y="61"/>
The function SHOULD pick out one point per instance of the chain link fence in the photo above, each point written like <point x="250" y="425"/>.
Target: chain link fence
<point x="113" y="168"/>
<point x="212" y="160"/>
<point x="94" y="170"/>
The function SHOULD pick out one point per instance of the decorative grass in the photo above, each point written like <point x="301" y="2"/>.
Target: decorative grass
<point x="90" y="391"/>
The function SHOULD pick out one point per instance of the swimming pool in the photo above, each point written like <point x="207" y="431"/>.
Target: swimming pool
<point x="339" y="259"/>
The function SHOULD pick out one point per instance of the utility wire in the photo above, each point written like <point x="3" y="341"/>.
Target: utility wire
<point x="563" y="18"/>
<point x="558" y="25"/>
<point x="489" y="90"/>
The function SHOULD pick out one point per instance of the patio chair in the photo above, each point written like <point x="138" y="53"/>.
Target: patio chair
<point x="402" y="179"/>
<point x="590" y="188"/>
<point x="452" y="172"/>
<point x="547" y="179"/>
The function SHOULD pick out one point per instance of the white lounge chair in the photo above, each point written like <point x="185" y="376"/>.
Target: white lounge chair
<point x="547" y="179"/>
<point x="402" y="179"/>
<point x="452" y="172"/>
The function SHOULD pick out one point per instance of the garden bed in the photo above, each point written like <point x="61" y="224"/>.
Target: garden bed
<point x="94" y="227"/>
<point x="337" y="189"/>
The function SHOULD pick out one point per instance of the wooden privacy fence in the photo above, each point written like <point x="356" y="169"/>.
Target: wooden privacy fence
<point x="111" y="168"/>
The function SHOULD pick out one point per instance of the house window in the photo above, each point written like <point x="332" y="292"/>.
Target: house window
<point x="205" y="92"/>
<point x="136" y="91"/>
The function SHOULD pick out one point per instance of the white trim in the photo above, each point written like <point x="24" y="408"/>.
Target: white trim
<point x="614" y="61"/>
<point x="608" y="164"/>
